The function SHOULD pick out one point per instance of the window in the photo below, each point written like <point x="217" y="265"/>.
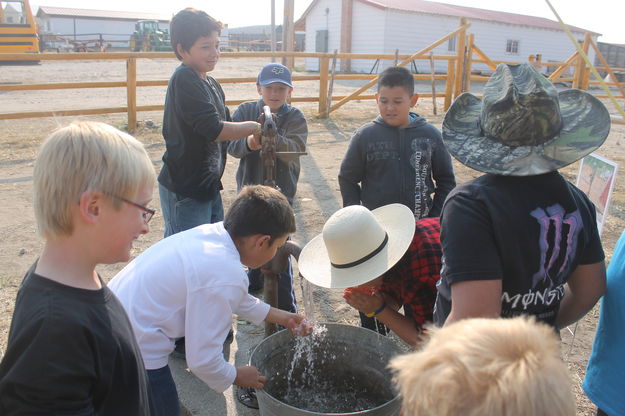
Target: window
<point x="451" y="44"/>
<point x="512" y="47"/>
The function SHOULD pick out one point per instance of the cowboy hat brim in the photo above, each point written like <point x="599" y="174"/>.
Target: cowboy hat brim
<point x="585" y="126"/>
<point x="314" y="263"/>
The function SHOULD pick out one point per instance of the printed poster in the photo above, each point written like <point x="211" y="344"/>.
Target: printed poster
<point x="596" y="179"/>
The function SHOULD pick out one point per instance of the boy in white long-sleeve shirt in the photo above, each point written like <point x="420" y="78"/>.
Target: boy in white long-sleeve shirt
<point x="191" y="283"/>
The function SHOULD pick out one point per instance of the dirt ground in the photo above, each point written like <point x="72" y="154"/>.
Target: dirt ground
<point x="318" y="193"/>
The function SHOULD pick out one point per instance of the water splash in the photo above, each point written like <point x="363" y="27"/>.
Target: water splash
<point x="304" y="361"/>
<point x="307" y="296"/>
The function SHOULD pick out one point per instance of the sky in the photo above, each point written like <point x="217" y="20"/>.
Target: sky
<point x="601" y="16"/>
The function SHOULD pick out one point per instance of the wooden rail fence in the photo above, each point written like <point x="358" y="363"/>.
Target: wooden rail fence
<point x="458" y="78"/>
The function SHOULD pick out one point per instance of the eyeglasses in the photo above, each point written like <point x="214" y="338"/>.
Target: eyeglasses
<point x="147" y="212"/>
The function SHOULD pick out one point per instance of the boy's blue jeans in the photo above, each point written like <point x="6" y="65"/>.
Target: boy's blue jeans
<point x="180" y="213"/>
<point x="164" y="394"/>
<point x="286" y="294"/>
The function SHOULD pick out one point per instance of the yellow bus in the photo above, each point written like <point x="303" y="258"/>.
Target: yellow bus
<point x="18" y="29"/>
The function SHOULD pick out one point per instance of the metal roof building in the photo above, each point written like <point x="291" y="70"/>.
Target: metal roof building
<point x="382" y="26"/>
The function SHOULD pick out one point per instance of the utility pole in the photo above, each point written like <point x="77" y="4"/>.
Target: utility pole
<point x="288" y="32"/>
<point x="273" y="29"/>
<point x="347" y="12"/>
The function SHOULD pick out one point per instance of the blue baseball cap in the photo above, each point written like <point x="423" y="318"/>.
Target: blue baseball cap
<point x="274" y="73"/>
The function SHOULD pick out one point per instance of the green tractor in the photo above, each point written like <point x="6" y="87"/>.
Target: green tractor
<point x="148" y="37"/>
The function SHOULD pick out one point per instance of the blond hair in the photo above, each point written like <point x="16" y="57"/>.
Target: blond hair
<point x="85" y="156"/>
<point x="486" y="367"/>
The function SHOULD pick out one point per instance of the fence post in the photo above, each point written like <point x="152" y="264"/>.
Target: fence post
<point x="449" y="84"/>
<point x="324" y="63"/>
<point x="586" y="74"/>
<point x="131" y="92"/>
<point x="433" y="80"/>
<point x="468" y="63"/>
<point x="326" y="113"/>
<point x="460" y="44"/>
<point x="536" y="61"/>
<point x="580" y="68"/>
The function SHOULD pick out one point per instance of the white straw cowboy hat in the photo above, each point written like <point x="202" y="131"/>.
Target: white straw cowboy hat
<point x="357" y="245"/>
<point x="523" y="126"/>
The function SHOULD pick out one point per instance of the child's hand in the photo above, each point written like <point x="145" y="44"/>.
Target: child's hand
<point x="299" y="325"/>
<point x="365" y="290"/>
<point x="364" y="299"/>
<point x="304" y="328"/>
<point x="249" y="376"/>
<point x="253" y="142"/>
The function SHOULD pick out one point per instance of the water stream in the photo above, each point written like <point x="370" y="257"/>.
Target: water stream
<point x="307" y="296"/>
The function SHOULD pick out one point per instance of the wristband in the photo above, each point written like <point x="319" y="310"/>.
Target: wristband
<point x="377" y="312"/>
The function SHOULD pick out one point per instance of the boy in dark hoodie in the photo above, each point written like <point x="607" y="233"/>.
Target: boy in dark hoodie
<point x="397" y="158"/>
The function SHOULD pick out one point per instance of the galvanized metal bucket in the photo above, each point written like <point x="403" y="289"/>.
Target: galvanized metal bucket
<point x="350" y="361"/>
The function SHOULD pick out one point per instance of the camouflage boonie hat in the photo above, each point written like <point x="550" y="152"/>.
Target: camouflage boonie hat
<point x="523" y="126"/>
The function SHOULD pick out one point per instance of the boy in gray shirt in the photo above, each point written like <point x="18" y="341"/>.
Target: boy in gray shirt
<point x="274" y="86"/>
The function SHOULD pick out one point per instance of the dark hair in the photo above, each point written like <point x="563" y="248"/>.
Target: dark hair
<point x="260" y="209"/>
<point x="397" y="76"/>
<point x="189" y="25"/>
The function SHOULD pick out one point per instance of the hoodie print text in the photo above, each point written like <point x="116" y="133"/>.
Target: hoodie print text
<point x="421" y="161"/>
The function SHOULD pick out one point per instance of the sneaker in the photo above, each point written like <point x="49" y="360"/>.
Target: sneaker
<point x="247" y="397"/>
<point x="179" y="350"/>
<point x="230" y="337"/>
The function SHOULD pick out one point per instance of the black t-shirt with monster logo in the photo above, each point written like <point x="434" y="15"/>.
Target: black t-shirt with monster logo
<point x="531" y="232"/>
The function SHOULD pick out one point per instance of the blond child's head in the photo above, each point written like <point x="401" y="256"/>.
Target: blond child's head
<point x="486" y="367"/>
<point x="82" y="157"/>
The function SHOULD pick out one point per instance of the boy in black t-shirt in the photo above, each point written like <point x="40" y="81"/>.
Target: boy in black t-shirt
<point x="521" y="240"/>
<point x="196" y="122"/>
<point x="71" y="349"/>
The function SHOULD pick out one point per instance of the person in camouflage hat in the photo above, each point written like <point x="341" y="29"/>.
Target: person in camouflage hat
<point x="523" y="126"/>
<point x="521" y="240"/>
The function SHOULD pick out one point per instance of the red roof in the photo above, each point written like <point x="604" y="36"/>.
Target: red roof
<point x="101" y="14"/>
<point x="430" y="7"/>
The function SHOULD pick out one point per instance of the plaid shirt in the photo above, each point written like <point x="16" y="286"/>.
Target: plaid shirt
<point x="412" y="281"/>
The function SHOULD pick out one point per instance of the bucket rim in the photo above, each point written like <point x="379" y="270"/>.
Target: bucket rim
<point x="309" y="412"/>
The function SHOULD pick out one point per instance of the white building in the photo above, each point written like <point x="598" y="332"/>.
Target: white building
<point x="384" y="26"/>
<point x="84" y="24"/>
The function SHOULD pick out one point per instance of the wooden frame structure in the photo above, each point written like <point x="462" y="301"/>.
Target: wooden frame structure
<point x="457" y="80"/>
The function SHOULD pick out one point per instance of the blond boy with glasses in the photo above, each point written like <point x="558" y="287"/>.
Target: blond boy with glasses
<point x="71" y="349"/>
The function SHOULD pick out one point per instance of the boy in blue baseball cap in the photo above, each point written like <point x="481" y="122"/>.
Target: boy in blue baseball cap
<point x="275" y="86"/>
<point x="273" y="73"/>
